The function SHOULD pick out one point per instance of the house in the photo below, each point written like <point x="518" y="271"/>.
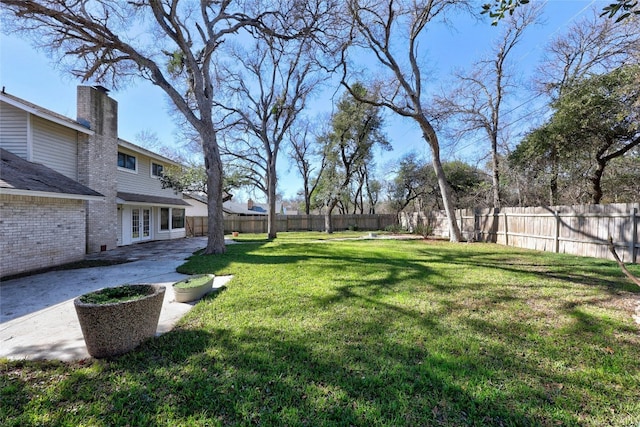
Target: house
<point x="70" y="187"/>
<point x="249" y="208"/>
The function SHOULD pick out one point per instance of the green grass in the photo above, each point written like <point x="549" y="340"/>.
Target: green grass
<point x="314" y="331"/>
<point x="193" y="281"/>
<point x="117" y="294"/>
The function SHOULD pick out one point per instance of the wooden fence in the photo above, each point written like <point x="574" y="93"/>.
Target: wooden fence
<point x="197" y="226"/>
<point x="579" y="230"/>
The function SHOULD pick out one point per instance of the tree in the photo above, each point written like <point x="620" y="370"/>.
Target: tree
<point x="409" y="183"/>
<point x="476" y="102"/>
<point x="170" y="43"/>
<point x="594" y="123"/>
<point x="355" y="131"/>
<point x="590" y="47"/>
<point x="303" y="154"/>
<point x="390" y="31"/>
<point x="268" y="83"/>
<point x="500" y="8"/>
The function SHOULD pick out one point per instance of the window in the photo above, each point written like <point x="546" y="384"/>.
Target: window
<point x="126" y="161"/>
<point x="164" y="218"/>
<point x="177" y="218"/>
<point x="156" y="169"/>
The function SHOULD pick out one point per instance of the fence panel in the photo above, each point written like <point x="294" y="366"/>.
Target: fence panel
<point x="579" y="230"/>
<point x="197" y="226"/>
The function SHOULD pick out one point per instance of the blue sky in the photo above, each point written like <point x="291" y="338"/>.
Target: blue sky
<point x="31" y="75"/>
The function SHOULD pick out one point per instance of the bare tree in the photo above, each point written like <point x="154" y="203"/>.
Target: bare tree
<point x="170" y="43"/>
<point x="303" y="154"/>
<point x="476" y="102"/>
<point x="268" y="83"/>
<point x="391" y="30"/>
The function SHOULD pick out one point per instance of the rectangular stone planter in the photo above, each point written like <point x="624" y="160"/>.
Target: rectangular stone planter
<point x="186" y="294"/>
<point x="115" y="328"/>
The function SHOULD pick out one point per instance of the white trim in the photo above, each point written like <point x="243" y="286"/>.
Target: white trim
<point x="36" y="112"/>
<point x="16" y="192"/>
<point x="151" y="169"/>
<point x="123" y="169"/>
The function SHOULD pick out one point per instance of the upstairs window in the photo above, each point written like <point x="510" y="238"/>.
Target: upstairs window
<point x="126" y="161"/>
<point x="156" y="169"/>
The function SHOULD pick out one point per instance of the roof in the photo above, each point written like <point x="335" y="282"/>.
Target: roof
<point x="21" y="177"/>
<point x="36" y="110"/>
<point x="241" y="208"/>
<point x="125" y="198"/>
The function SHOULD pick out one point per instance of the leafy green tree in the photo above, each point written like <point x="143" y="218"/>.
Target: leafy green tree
<point x="356" y="128"/>
<point x="499" y="9"/>
<point x="594" y="123"/>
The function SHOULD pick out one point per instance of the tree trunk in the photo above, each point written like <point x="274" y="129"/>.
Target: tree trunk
<point x="431" y="138"/>
<point x="553" y="185"/>
<point x="215" y="220"/>
<point x="271" y="190"/>
<point x="496" y="172"/>
<point x="328" y="224"/>
<point x="596" y="182"/>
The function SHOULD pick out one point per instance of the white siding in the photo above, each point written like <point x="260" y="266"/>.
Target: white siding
<point x="141" y="182"/>
<point x="55" y="146"/>
<point x="13" y="130"/>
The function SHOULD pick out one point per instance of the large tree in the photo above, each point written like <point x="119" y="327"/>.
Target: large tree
<point x="391" y="31"/>
<point x="170" y="43"/>
<point x="268" y="81"/>
<point x="308" y="159"/>
<point x="356" y="129"/>
<point x="594" y="122"/>
<point x="475" y="104"/>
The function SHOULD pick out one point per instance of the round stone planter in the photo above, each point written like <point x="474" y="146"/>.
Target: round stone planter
<point x="192" y="293"/>
<point x="111" y="329"/>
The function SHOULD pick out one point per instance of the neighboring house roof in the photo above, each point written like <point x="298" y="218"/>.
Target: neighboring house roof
<point x="234" y="208"/>
<point x="151" y="200"/>
<point x="20" y="177"/>
<point x="36" y="110"/>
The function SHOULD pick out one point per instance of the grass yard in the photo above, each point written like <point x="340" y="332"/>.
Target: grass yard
<point x="366" y="333"/>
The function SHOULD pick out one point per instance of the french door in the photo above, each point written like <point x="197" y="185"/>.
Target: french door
<point x="140" y="224"/>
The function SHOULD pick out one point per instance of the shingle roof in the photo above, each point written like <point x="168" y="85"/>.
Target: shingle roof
<point x="156" y="200"/>
<point x="19" y="174"/>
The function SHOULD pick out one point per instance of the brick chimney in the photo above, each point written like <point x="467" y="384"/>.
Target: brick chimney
<point x="97" y="164"/>
<point x="250" y="204"/>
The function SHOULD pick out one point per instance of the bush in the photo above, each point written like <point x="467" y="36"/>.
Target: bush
<point x="353" y="227"/>
<point x="394" y="228"/>
<point x="423" y="230"/>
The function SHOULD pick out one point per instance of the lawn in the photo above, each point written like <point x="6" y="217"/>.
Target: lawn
<point x="314" y="331"/>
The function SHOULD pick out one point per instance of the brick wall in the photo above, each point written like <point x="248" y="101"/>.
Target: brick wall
<point x="40" y="232"/>
<point x="97" y="165"/>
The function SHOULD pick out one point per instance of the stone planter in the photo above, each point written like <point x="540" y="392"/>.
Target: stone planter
<point x="192" y="293"/>
<point x="111" y="329"/>
<point x="235" y="234"/>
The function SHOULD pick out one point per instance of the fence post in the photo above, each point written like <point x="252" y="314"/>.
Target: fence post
<point x="634" y="233"/>
<point x="556" y="237"/>
<point x="506" y="229"/>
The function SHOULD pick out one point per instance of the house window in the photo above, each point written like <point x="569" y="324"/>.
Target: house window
<point x="164" y="218"/>
<point x="126" y="161"/>
<point x="177" y="218"/>
<point x="156" y="169"/>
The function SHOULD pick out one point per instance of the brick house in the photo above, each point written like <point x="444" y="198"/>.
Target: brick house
<point x="70" y="187"/>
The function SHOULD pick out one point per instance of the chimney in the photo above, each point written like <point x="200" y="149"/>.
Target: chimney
<point x="250" y="204"/>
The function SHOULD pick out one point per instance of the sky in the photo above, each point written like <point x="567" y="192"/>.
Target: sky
<point x="31" y="75"/>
